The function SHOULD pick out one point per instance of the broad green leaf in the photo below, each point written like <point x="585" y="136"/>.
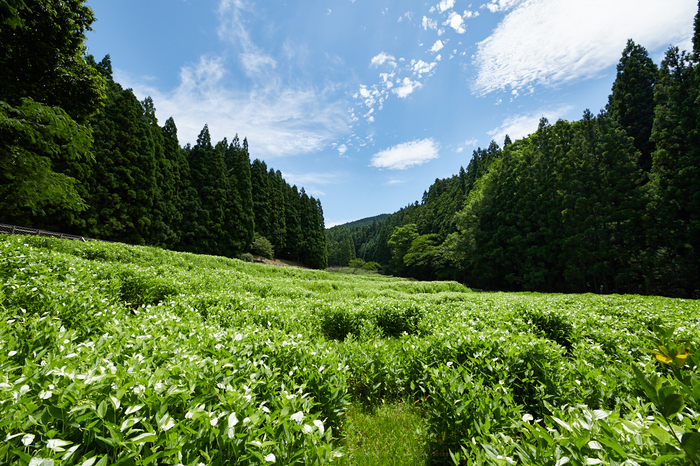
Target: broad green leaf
<point x="102" y="409"/>
<point x="691" y="444"/>
<point x="90" y="461"/>
<point x="671" y="405"/>
<point x="144" y="438"/>
<point x="562" y="423"/>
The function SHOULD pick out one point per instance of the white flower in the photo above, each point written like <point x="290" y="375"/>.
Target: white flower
<point x="213" y="421"/>
<point x="40" y="462"/>
<point x="270" y="458"/>
<point x="27" y="439"/>
<point x="23" y="389"/>
<point x="45" y="394"/>
<point x="232" y="420"/>
<point x="57" y="444"/>
<point x="308" y="429"/>
<point x="298" y="417"/>
<point x="527" y="417"/>
<point x="319" y="424"/>
<point x="266" y="409"/>
<point x="11" y="353"/>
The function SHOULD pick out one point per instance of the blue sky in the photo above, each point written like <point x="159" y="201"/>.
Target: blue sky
<point x="365" y="103"/>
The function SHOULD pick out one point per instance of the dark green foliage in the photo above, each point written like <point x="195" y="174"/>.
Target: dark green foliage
<point x="263" y="247"/>
<point x="42" y="56"/>
<point x="32" y="137"/>
<point x="675" y="177"/>
<point x="122" y="185"/>
<point x="631" y="103"/>
<point x="174" y="192"/>
<point x="242" y="218"/>
<point x="559" y="212"/>
<point x="551" y="326"/>
<point x="261" y="197"/>
<point x="209" y="178"/>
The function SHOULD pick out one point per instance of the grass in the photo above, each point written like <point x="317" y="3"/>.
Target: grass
<point x="385" y="435"/>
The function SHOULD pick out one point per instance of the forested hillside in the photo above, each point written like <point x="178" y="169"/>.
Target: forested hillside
<point x="609" y="203"/>
<point x="79" y="154"/>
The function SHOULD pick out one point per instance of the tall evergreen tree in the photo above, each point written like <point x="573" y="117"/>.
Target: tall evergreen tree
<point x="277" y="221"/>
<point x="241" y="217"/>
<point x="631" y="103"/>
<point x="261" y="197"/>
<point x="675" y="177"/>
<point x="161" y="232"/>
<point x="209" y="178"/>
<point x="175" y="193"/>
<point x="122" y="186"/>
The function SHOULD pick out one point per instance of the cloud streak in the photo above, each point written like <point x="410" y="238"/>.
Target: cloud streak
<point x="520" y="126"/>
<point x="406" y="155"/>
<point x="546" y="42"/>
<point x="278" y="119"/>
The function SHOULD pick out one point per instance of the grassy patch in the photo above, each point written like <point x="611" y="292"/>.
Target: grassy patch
<point x="388" y="434"/>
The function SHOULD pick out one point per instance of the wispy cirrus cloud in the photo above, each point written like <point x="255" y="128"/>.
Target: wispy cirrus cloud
<point x="406" y="155"/>
<point x="546" y="42"/>
<point x="279" y="119"/>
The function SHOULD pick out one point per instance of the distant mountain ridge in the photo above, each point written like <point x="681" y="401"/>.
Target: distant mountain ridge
<point x="362" y="222"/>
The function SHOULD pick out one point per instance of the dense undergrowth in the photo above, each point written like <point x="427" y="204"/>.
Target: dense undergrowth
<point x="112" y="354"/>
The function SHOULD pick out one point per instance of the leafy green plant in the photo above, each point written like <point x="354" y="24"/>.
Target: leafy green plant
<point x="263" y="247"/>
<point x="676" y="396"/>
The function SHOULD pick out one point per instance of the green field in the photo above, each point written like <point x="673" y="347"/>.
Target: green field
<point x="113" y="354"/>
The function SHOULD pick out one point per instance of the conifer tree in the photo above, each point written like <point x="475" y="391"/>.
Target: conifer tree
<point x="261" y="197"/>
<point x="161" y="233"/>
<point x="175" y="193"/>
<point x="675" y="177"/>
<point x="122" y="186"/>
<point x="241" y="217"/>
<point x="208" y="175"/>
<point x="277" y="221"/>
<point x="631" y="103"/>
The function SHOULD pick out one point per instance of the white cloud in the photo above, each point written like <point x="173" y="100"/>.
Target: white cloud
<point x="456" y="22"/>
<point x="429" y="23"/>
<point x="394" y="181"/>
<point x="406" y="155"/>
<point x="255" y="62"/>
<point x="438" y="45"/>
<point x="383" y="58"/>
<point x="445" y="5"/>
<point x="519" y="126"/>
<point x="278" y="119"/>
<point x="502" y="5"/>
<point x="551" y="41"/>
<point x="301" y="179"/>
<point x="408" y="16"/>
<point x="280" y="122"/>
<point x="406" y="87"/>
<point x="342" y="149"/>
<point x="420" y="67"/>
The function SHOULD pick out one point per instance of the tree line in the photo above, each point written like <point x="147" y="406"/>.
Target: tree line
<point x="608" y="203"/>
<point x="82" y="155"/>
